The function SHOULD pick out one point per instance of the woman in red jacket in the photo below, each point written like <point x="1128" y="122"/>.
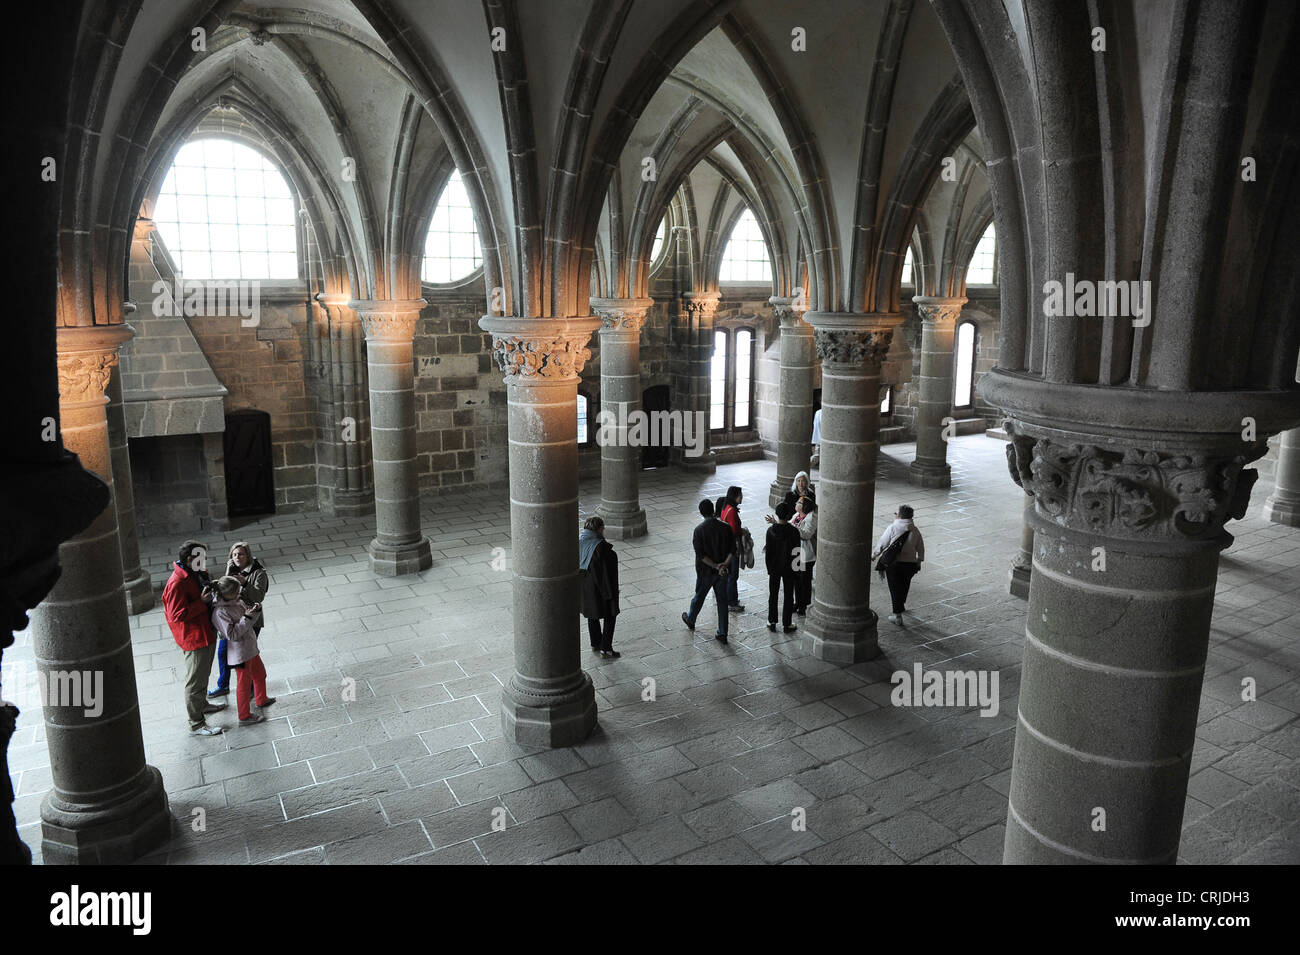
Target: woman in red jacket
<point x="730" y="515"/>
<point x="185" y="600"/>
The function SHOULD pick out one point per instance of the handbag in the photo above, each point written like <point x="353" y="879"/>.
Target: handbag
<point x="889" y="556"/>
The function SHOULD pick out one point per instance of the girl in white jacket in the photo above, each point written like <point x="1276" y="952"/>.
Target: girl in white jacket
<point x="237" y="622"/>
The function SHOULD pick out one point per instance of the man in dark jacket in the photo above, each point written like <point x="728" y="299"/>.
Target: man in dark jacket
<point x="714" y="545"/>
<point x="186" y="598"/>
<point x="598" y="582"/>
<point x="782" y="553"/>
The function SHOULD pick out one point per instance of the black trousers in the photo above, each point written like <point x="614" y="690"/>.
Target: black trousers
<point x="803" y="587"/>
<point x="899" y="577"/>
<point x="601" y="641"/>
<point x="776" y="584"/>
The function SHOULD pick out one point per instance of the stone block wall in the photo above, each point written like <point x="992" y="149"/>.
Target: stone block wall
<point x="263" y="367"/>
<point x="460" y="396"/>
<point x="171" y="485"/>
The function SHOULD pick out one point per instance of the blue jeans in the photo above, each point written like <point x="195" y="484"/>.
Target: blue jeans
<point x="733" y="581"/>
<point x="703" y="584"/>
<point x="223" y="668"/>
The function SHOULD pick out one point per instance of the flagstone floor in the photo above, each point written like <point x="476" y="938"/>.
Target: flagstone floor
<point x="737" y="740"/>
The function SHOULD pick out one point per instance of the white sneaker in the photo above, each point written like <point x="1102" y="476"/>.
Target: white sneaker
<point x="206" y="730"/>
<point x="893" y="618"/>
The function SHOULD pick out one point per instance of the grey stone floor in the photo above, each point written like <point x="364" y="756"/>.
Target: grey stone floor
<point x="415" y="770"/>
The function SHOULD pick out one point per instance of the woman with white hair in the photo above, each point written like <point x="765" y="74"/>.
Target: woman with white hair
<point x="238" y="623"/>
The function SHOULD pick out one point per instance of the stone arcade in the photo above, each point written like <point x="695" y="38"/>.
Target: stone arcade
<point x="1039" y="289"/>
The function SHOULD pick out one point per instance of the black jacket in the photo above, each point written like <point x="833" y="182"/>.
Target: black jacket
<point x="781" y="550"/>
<point x="712" y="539"/>
<point x="599" y="583"/>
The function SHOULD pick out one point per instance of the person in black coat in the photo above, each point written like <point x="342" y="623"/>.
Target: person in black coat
<point x="782" y="553"/>
<point x="598" y="580"/>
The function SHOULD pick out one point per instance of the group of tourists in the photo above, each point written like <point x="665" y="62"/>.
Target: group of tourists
<point x="218" y="619"/>
<point x="723" y="546"/>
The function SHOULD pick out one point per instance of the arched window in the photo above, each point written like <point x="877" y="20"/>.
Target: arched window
<point x="658" y="245"/>
<point x="983" y="264"/>
<point x="745" y="258"/>
<point x="744" y="377"/>
<point x="731" y="380"/>
<point x="907" y="267"/>
<point x="887" y="403"/>
<point x="584" y="420"/>
<point x="963" y="376"/>
<point x="451" y="249"/>
<point x="718" y="382"/>
<point x="226" y="212"/>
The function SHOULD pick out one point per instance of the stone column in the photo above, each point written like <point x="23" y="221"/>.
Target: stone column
<point x="795" y="412"/>
<point x="353" y="492"/>
<point x="938" y="324"/>
<point x="1022" y="566"/>
<point x="136" y="583"/>
<point x="1127" y="538"/>
<point x="549" y="701"/>
<point x="620" y="396"/>
<point x="841" y="626"/>
<point x="106" y="805"/>
<point x="1283" y="505"/>
<point x="700" y="308"/>
<point x="399" y="547"/>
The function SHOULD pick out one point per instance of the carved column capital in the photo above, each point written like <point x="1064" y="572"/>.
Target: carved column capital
<point x="851" y="338"/>
<point x="701" y="305"/>
<point x="86" y="356"/>
<point x="539" y="350"/>
<point x="393" y="321"/>
<point x="940" y="311"/>
<point x="1132" y="491"/>
<point x="789" y="310"/>
<point x="621" y="314"/>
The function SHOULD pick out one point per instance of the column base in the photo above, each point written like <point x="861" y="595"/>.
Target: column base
<point x="1018" y="580"/>
<point x="1285" y="511"/>
<point x="353" y="503"/>
<point x="139" y="593"/>
<point x="396" y="560"/>
<point x="840" y="641"/>
<point x="708" y="461"/>
<point x="929" y="475"/>
<point x="112" y="835"/>
<point x="566" y="721"/>
<point x="624" y="525"/>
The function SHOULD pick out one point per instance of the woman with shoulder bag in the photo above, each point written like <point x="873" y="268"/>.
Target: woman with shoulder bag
<point x="900" y="551"/>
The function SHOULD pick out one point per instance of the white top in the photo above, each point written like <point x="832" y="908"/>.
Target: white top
<point x="807" y="528"/>
<point x="817" y="427"/>
<point x="913" y="551"/>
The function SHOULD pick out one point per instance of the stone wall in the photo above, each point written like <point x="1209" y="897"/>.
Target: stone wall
<point x="262" y="367"/>
<point x="170" y="480"/>
<point x="460" y="396"/>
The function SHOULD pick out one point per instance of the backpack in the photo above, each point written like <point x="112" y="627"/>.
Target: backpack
<point x="889" y="556"/>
